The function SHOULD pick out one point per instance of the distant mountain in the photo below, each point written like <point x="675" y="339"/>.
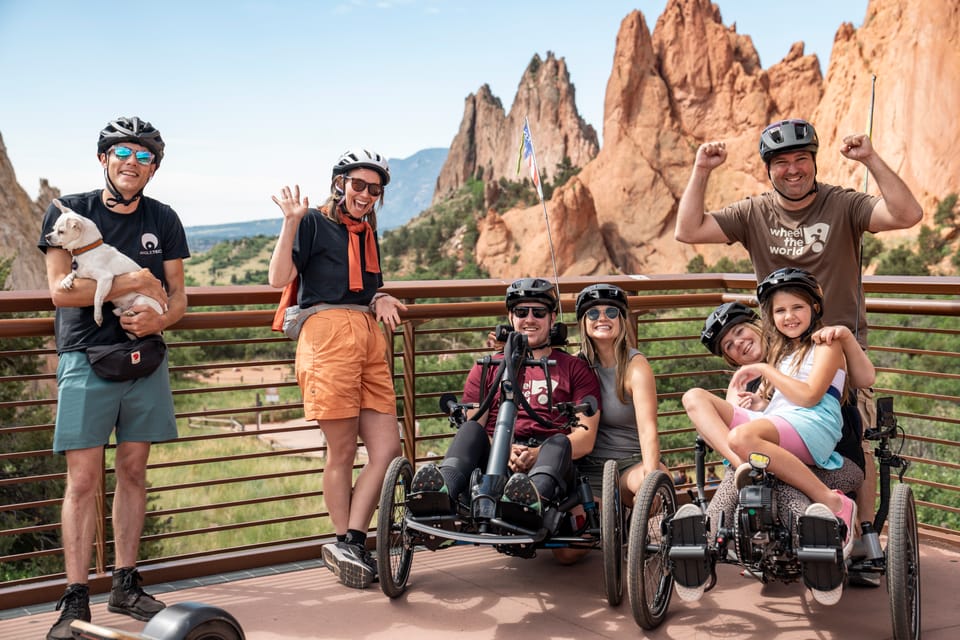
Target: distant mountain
<point x="412" y="181"/>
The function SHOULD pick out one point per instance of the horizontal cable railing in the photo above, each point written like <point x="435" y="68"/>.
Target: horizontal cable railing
<point x="242" y="486"/>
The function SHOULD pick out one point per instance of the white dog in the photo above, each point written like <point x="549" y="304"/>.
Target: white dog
<point x="95" y="260"/>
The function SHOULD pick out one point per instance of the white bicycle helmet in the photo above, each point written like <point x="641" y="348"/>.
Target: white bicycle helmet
<point x="354" y="158"/>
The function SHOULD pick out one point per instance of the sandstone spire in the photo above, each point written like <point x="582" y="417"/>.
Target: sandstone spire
<point x="488" y="140"/>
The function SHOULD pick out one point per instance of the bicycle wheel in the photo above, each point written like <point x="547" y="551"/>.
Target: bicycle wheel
<point x="649" y="581"/>
<point x="394" y="551"/>
<point x="611" y="533"/>
<point x="903" y="564"/>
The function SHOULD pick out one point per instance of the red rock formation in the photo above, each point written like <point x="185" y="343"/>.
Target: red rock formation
<point x="20" y="228"/>
<point x="695" y="79"/>
<point x="488" y="140"/>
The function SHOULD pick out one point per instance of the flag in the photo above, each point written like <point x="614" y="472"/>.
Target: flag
<point x="527" y="153"/>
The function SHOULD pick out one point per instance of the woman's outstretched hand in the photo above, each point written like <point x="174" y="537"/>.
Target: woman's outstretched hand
<point x="289" y="203"/>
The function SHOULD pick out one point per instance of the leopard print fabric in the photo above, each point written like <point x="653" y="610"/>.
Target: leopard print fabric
<point x="791" y="502"/>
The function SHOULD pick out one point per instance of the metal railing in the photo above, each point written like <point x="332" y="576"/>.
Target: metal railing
<point x="241" y="487"/>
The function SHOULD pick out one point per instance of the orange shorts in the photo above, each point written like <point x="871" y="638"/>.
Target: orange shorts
<point x="342" y="366"/>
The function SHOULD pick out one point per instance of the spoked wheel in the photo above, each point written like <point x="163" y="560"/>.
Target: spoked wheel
<point x="903" y="564"/>
<point x="611" y="533"/>
<point x="394" y="551"/>
<point x="649" y="581"/>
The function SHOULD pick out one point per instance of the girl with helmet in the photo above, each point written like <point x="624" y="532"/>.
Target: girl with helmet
<point x="628" y="423"/>
<point x="334" y="255"/>
<point x="734" y="332"/>
<point x="795" y="418"/>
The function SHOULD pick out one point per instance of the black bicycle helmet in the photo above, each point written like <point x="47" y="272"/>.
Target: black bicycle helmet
<point x="721" y="320"/>
<point x="788" y="135"/>
<point x="354" y="158"/>
<point x="135" y="130"/>
<point x="790" y="277"/>
<point x="532" y="290"/>
<point x="597" y="294"/>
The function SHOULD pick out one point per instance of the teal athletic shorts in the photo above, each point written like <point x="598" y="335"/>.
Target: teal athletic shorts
<point x="89" y="407"/>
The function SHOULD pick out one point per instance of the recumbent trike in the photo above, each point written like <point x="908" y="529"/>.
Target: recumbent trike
<point x="476" y="517"/>
<point x="660" y="550"/>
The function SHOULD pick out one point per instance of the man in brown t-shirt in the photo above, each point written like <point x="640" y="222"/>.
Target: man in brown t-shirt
<point x="805" y="224"/>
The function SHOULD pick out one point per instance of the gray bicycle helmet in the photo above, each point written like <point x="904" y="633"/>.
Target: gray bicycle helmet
<point x="355" y="158"/>
<point x="532" y="290"/>
<point x="788" y="135"/>
<point x="721" y="320"/>
<point x="131" y="129"/>
<point x="597" y="294"/>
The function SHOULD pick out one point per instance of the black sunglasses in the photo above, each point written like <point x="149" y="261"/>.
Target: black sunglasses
<point x="538" y="312"/>
<point x="359" y="184"/>
<point x="594" y="313"/>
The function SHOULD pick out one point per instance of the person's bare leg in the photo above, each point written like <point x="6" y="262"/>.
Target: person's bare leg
<point x="79" y="512"/>
<point x="712" y="416"/>
<point x="341" y="437"/>
<point x="130" y="500"/>
<point x="381" y="437"/>
<point x="761" y="436"/>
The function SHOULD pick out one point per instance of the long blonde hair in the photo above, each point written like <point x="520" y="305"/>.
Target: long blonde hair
<point x="621" y="350"/>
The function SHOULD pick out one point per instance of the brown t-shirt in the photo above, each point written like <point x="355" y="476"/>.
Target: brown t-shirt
<point x="823" y="238"/>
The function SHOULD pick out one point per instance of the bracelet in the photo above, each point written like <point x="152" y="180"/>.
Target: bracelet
<point x="373" y="301"/>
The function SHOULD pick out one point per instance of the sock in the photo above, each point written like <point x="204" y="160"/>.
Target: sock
<point x="358" y="538"/>
<point x="341" y="537"/>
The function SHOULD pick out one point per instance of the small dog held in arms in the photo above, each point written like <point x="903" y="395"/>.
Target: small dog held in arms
<point x="95" y="260"/>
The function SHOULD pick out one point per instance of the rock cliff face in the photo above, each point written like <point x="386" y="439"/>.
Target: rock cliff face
<point x="20" y="220"/>
<point x="694" y="79"/>
<point x="488" y="140"/>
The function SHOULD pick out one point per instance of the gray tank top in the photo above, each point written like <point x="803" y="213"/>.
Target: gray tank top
<point x="617" y="433"/>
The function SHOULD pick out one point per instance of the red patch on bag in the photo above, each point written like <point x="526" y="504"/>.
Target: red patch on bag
<point x="135" y="357"/>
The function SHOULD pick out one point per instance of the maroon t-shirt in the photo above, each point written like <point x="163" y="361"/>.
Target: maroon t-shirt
<point x="571" y="380"/>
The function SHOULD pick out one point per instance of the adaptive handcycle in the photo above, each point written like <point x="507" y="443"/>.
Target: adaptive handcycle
<point x="477" y="517"/>
<point x="660" y="553"/>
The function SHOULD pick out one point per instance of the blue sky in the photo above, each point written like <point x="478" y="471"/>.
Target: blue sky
<point x="251" y="95"/>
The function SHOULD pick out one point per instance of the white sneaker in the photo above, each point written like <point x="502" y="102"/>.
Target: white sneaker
<point x="689" y="594"/>
<point x="831" y="596"/>
<point x="741" y="477"/>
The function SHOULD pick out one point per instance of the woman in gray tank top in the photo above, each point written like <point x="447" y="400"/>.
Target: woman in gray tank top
<point x="628" y="422"/>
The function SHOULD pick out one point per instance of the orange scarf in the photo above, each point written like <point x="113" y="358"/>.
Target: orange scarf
<point x="355" y="228"/>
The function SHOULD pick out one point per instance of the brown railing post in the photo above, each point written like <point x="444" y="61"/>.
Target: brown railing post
<point x="100" y="540"/>
<point x="409" y="392"/>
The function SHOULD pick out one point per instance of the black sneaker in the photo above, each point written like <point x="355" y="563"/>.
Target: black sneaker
<point x="521" y="490"/>
<point x="349" y="563"/>
<point x="73" y="605"/>
<point x="429" y="495"/>
<point x="520" y="504"/>
<point x="428" y="478"/>
<point x="129" y="599"/>
<point x="371" y="561"/>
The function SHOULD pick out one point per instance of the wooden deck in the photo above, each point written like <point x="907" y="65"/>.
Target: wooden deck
<point x="477" y="593"/>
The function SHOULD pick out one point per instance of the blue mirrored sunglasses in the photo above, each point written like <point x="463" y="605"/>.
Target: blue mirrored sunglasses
<point x="122" y="153"/>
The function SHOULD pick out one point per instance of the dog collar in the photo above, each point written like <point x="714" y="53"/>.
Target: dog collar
<point x="92" y="245"/>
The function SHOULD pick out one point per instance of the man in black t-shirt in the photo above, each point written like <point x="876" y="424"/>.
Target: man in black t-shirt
<point x="90" y="408"/>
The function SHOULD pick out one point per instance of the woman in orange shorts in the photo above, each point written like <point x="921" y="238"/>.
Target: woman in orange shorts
<point x="341" y="352"/>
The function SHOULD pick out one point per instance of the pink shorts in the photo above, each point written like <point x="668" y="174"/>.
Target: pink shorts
<point x="789" y="438"/>
<point x="342" y="366"/>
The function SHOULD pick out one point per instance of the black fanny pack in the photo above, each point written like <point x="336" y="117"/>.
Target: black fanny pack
<point x="129" y="360"/>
